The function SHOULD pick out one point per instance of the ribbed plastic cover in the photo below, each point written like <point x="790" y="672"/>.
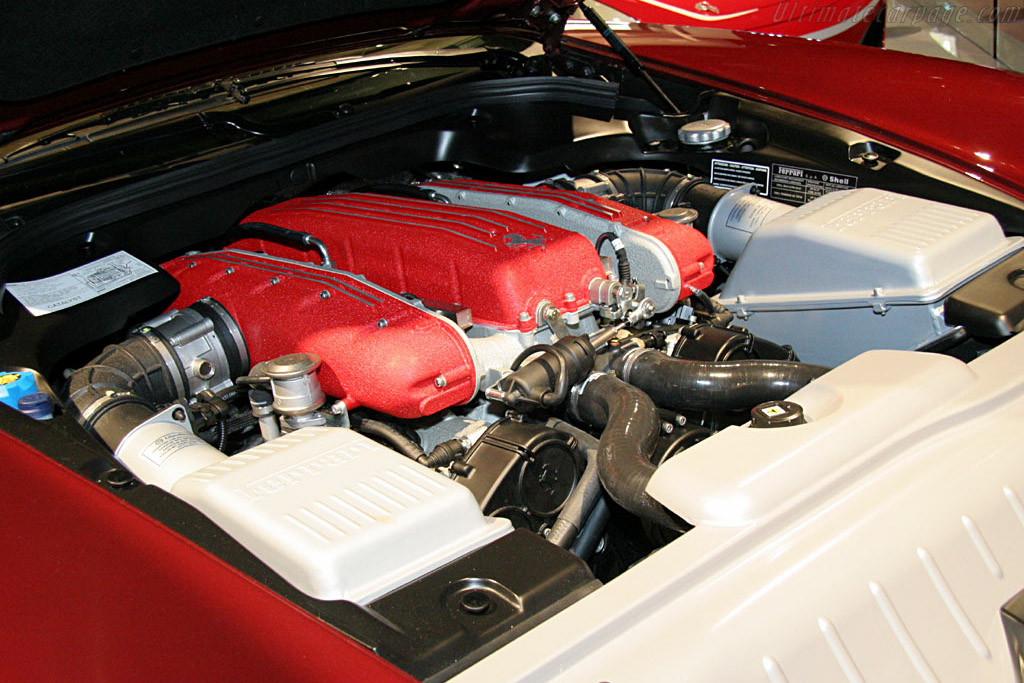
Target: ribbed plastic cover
<point x="864" y="247"/>
<point x="337" y="515"/>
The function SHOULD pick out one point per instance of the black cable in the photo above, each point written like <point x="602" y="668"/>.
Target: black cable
<point x="621" y="257"/>
<point x="391" y="436"/>
<point x="222" y="435"/>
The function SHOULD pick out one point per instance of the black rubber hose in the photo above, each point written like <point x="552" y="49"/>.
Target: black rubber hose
<point x="589" y="538"/>
<point x="391" y="436"/>
<point x="443" y="454"/>
<point x="581" y="501"/>
<point x="654" y="189"/>
<point x="545" y="380"/>
<point x="279" y="234"/>
<point x="621" y="257"/>
<point x="680" y="384"/>
<point x="120" y="389"/>
<point x="631" y="426"/>
<point x="721" y="314"/>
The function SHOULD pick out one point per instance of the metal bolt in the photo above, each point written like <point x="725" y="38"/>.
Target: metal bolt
<point x="475" y="602"/>
<point x="178" y="414"/>
<point x="569" y="296"/>
<point x="192" y="264"/>
<point x="681" y="420"/>
<point x="667" y="427"/>
<point x="119" y="479"/>
<point x="274" y="280"/>
<point x="870" y="156"/>
<point x="524" y="317"/>
<point x="382" y="323"/>
<point x="324" y="295"/>
<point x="440" y="382"/>
<point x="535" y="11"/>
<point x="229" y="270"/>
<point x="551" y="313"/>
<point x="554" y="18"/>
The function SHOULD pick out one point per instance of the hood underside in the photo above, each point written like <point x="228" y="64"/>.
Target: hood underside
<point x="61" y="45"/>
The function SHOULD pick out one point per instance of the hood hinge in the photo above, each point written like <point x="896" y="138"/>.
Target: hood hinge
<point x="548" y="17"/>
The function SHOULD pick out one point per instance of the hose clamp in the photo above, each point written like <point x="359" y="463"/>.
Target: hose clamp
<point x="574" y="393"/>
<point x="629" y="360"/>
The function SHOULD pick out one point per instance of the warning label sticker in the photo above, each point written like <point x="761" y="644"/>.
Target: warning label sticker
<point x="169" y="444"/>
<point x="80" y="284"/>
<point x="750" y="214"/>
<point x="795" y="185"/>
<point x="730" y="174"/>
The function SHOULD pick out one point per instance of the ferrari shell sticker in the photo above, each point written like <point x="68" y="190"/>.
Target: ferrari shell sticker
<point x="788" y="184"/>
<point x="795" y="185"/>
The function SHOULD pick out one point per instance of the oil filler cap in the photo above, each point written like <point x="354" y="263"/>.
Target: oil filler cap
<point x="704" y="132"/>
<point x="777" y="414"/>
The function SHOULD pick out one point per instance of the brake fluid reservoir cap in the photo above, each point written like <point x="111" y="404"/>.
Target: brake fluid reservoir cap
<point x="37" y="406"/>
<point x="704" y="132"/>
<point x="777" y="414"/>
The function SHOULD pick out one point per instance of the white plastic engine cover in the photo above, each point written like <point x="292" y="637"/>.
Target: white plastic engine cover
<point x="860" y="269"/>
<point x="877" y="542"/>
<point x="338" y="515"/>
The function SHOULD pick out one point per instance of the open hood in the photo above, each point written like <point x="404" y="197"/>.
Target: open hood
<point x="58" y="46"/>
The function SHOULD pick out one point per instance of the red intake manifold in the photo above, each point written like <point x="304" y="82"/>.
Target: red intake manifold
<point x="377" y="349"/>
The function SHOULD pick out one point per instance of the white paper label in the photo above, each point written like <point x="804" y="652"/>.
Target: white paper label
<point x="86" y="282"/>
<point x="169" y="444"/>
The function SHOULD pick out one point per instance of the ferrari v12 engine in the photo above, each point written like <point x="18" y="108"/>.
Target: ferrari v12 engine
<point x="460" y="323"/>
<point x="379" y="337"/>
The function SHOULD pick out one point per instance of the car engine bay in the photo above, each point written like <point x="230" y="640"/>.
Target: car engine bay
<point x="436" y="386"/>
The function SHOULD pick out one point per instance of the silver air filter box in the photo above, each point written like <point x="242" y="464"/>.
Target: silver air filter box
<point x="858" y="270"/>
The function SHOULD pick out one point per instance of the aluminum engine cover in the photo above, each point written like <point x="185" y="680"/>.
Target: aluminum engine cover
<point x="377" y="349"/>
